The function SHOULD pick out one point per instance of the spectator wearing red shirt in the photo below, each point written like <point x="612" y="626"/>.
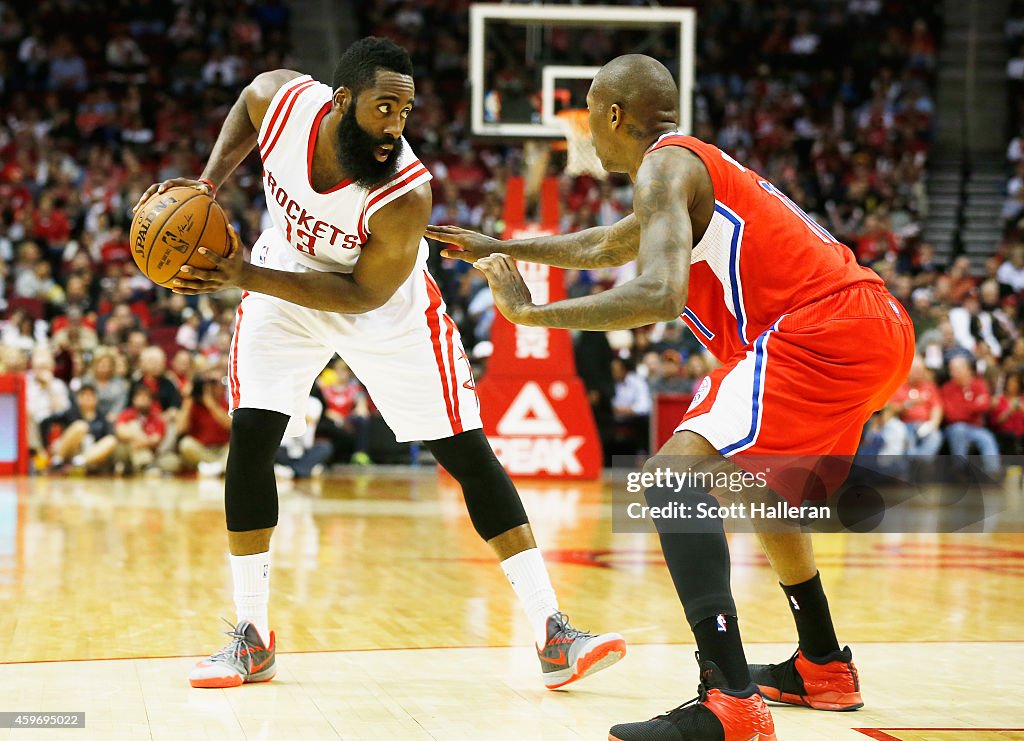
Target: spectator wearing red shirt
<point x="50" y="224"/>
<point x="962" y="283"/>
<point x="918" y="405"/>
<point x="116" y="249"/>
<point x="1008" y="417"/>
<point x="966" y="400"/>
<point x="206" y="425"/>
<point x="139" y="430"/>
<point x="877" y="242"/>
<point x="153" y="375"/>
<point x="346" y="417"/>
<point x="466" y="173"/>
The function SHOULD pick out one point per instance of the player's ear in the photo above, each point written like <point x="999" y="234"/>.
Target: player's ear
<point x="614" y="116"/>
<point x="343" y="98"/>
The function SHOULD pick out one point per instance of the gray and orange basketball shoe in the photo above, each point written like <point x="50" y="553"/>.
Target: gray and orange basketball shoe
<point x="572" y="654"/>
<point x="243" y="660"/>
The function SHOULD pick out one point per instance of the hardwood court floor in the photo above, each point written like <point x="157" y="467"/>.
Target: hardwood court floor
<point x="394" y="621"/>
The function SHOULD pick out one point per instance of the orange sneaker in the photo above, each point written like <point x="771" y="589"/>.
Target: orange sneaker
<point x="572" y="654"/>
<point x="243" y="660"/>
<point x="830" y="683"/>
<point x="716" y="714"/>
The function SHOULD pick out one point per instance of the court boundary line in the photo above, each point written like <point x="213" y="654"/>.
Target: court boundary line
<point x="879" y="734"/>
<point x="501" y="647"/>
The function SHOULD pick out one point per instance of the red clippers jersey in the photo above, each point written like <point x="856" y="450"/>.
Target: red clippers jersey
<point x="760" y="258"/>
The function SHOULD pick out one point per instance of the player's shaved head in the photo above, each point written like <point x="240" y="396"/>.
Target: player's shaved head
<point x="642" y="87"/>
<point x="632" y="101"/>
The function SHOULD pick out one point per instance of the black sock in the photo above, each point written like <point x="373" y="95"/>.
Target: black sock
<point x="809" y="606"/>
<point x="724" y="647"/>
<point x="699" y="565"/>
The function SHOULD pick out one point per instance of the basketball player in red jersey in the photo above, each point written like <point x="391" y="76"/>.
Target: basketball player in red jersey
<point x="810" y="342"/>
<point x="342" y="269"/>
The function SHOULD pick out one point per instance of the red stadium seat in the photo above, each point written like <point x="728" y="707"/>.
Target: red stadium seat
<point x="32" y="306"/>
<point x="165" y="338"/>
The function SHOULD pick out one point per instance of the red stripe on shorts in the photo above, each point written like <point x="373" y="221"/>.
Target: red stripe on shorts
<point x="236" y="391"/>
<point x="457" y="427"/>
<point x="434" y="322"/>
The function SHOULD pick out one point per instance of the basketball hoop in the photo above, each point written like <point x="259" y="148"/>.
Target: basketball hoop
<point x="582" y="157"/>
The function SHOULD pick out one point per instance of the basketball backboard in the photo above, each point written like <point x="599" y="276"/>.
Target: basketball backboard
<point x="529" y="61"/>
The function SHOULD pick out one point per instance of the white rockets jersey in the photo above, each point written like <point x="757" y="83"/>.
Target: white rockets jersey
<point x="312" y="230"/>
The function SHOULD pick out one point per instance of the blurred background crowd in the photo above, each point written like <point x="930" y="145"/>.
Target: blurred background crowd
<point x="833" y="102"/>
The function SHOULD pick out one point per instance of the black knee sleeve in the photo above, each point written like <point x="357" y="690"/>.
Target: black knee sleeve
<point x="250" y="490"/>
<point x="492" y="500"/>
<point x="698" y="561"/>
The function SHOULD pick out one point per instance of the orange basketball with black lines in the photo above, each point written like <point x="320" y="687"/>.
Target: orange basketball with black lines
<point x="169" y="229"/>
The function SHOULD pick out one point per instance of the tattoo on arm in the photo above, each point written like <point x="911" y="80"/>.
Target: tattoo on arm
<point x="597" y="247"/>
<point x="624" y="307"/>
<point x="658" y="293"/>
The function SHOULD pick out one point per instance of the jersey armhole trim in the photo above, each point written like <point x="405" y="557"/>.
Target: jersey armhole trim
<point x="270" y="117"/>
<point x="284" y="106"/>
<point x="412" y="176"/>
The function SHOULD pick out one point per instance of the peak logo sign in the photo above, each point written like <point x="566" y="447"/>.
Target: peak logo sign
<point x="530" y="413"/>
<point x="534" y="435"/>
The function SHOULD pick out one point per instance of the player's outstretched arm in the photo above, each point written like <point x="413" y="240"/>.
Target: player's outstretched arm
<point x="597" y="247"/>
<point x="237" y="136"/>
<point x="665" y="184"/>
<point x="387" y="259"/>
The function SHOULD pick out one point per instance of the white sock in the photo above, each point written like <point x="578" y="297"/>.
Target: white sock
<point x="528" y="576"/>
<point x="251" y="577"/>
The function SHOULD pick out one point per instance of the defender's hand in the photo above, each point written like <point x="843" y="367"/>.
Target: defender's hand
<point x="227" y="272"/>
<point x="157" y="188"/>
<point x="472" y="245"/>
<point x="511" y="296"/>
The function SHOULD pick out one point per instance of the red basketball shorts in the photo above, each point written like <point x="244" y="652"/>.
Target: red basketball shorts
<point x="807" y="385"/>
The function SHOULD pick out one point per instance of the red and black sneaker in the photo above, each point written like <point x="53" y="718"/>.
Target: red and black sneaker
<point x="716" y="714"/>
<point x="829" y="683"/>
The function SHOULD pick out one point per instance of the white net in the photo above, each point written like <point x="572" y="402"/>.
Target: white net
<point x="582" y="158"/>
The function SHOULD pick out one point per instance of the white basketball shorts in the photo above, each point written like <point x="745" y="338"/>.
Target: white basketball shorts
<point x="408" y="354"/>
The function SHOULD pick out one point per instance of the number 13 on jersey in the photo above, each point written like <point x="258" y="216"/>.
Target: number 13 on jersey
<point x="302" y="241"/>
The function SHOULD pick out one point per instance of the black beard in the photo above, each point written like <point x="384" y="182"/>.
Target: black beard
<point x="356" y="150"/>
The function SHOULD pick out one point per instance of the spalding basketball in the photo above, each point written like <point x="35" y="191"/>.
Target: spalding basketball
<point x="169" y="229"/>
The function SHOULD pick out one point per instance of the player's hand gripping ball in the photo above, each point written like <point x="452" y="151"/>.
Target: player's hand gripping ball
<point x="169" y="228"/>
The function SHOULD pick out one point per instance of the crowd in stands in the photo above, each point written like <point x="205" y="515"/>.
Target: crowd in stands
<point x="98" y="101"/>
<point x="835" y="105"/>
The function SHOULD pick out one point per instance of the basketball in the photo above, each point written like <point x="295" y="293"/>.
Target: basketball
<point x="168" y="230"/>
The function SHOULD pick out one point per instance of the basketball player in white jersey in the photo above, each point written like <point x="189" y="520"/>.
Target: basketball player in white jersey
<point x="342" y="270"/>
